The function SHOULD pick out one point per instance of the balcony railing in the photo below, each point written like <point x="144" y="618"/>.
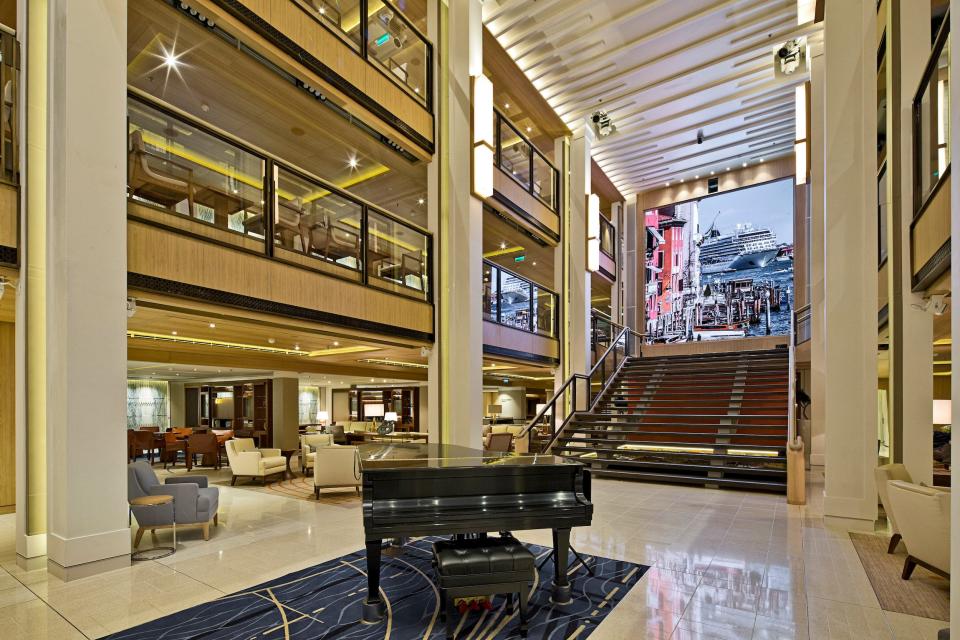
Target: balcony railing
<point x="518" y="158"/>
<point x="931" y="122"/>
<point x="513" y="301"/>
<point x="388" y="38"/>
<point x="193" y="173"/>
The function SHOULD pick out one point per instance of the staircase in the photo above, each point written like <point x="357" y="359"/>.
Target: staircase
<point x="717" y="420"/>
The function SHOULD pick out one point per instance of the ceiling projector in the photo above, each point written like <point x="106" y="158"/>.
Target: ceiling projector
<point x="790" y="57"/>
<point x="602" y="124"/>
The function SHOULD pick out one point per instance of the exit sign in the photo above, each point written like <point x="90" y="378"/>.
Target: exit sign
<point x="519" y="258"/>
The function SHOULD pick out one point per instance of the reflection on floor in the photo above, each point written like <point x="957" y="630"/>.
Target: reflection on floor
<point x="726" y="564"/>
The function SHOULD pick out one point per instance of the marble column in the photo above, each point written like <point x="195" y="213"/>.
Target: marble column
<point x="576" y="293"/>
<point x="86" y="288"/>
<point x="850" y="261"/>
<point x="955" y="333"/>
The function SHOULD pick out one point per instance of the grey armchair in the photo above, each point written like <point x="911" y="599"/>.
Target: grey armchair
<point x="194" y="503"/>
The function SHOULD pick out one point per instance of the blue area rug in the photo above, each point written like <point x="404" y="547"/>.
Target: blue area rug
<point x="323" y="602"/>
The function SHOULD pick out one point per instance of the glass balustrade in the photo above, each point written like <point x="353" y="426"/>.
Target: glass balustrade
<point x="398" y="47"/>
<point x="192" y="173"/>
<point x="343" y="16"/>
<point x="397" y="255"/>
<point x="931" y="124"/>
<point x="179" y="167"/>
<point x="517" y="157"/>
<point x="514" y="301"/>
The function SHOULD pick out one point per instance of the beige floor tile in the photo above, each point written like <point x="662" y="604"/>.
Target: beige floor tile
<point x="832" y="620"/>
<point x="907" y="627"/>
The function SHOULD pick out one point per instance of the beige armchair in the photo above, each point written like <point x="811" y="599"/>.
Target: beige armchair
<point x="923" y="515"/>
<point x="246" y="461"/>
<point x="882" y="475"/>
<point x="309" y="443"/>
<point x="335" y="466"/>
<point x="521" y="444"/>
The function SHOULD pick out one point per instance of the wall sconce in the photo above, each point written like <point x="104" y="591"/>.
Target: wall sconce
<point x="593" y="232"/>
<point x="482" y="135"/>
<point x="801" y="151"/>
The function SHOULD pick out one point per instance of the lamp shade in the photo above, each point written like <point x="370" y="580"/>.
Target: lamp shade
<point x="494" y="408"/>
<point x="942" y="412"/>
<point x="373" y="410"/>
<point x="541" y="407"/>
<point x="323" y="416"/>
<point x="390" y="416"/>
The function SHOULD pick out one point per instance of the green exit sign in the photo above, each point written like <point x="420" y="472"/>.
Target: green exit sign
<point x="519" y="258"/>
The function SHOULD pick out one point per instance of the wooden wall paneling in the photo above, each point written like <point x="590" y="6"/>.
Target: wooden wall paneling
<point x="9" y="226"/>
<point x="768" y="171"/>
<point x="509" y="189"/>
<point x="8" y="476"/>
<point x="882" y="288"/>
<point x="141" y="212"/>
<point x="932" y="228"/>
<point x="519" y="341"/>
<point x="759" y="343"/>
<point x="166" y="254"/>
<point x="601" y="184"/>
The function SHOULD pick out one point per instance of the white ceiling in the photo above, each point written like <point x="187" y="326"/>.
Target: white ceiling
<point x="662" y="69"/>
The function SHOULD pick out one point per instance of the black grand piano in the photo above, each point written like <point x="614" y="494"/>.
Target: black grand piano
<point x="430" y="489"/>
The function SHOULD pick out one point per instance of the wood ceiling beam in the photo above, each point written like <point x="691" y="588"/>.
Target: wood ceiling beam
<point x="601" y="185"/>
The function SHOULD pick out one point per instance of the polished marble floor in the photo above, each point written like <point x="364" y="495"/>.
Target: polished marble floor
<point x="726" y="564"/>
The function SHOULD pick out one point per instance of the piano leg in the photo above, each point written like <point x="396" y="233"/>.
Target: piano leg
<point x="373" y="604"/>
<point x="561" y="562"/>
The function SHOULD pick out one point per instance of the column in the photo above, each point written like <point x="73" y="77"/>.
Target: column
<point x="456" y="377"/>
<point x="850" y="262"/>
<point x="955" y="333"/>
<point x="818" y="343"/>
<point x="576" y="291"/>
<point x="633" y="268"/>
<point x="86" y="347"/>
<point x="616" y="291"/>
<point x="178" y="404"/>
<point x="911" y="328"/>
<point x="286" y="411"/>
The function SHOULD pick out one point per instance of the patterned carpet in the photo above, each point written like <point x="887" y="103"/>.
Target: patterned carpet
<point x="323" y="602"/>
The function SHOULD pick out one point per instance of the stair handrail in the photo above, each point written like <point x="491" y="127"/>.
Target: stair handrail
<point x="792" y="384"/>
<point x="626" y="336"/>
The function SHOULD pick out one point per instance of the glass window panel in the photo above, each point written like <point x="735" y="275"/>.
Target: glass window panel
<point x="515" y="301"/>
<point x="934" y="125"/>
<point x="491" y="292"/>
<point x="544" y="180"/>
<point x="343" y="16"/>
<point x="178" y="167"/>
<point x="315" y="221"/>
<point x="608" y="235"/>
<point x="397" y="256"/>
<point x="514" y="154"/>
<point x="398" y="48"/>
<point x="544" y="307"/>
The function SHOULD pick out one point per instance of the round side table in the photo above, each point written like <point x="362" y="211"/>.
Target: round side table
<point x="155" y="553"/>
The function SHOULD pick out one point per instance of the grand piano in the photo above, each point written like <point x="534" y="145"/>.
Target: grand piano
<point x="432" y="489"/>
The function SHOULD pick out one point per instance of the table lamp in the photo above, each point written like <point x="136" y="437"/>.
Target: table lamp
<point x="942" y="412"/>
<point x="323" y="417"/>
<point x="494" y="410"/>
<point x="389" y="423"/>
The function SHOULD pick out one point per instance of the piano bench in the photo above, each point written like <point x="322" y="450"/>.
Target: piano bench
<point x="483" y="567"/>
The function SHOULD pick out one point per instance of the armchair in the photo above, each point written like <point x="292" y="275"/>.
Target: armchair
<point x="194" y="503"/>
<point x="923" y="514"/>
<point x="309" y="443"/>
<point x="335" y="466"/>
<point x="248" y="461"/>
<point x="882" y="475"/>
<point x="164" y="181"/>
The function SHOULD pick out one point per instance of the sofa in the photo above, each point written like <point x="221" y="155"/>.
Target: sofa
<point x="923" y="515"/>
<point x="246" y="461"/>
<point x="194" y="503"/>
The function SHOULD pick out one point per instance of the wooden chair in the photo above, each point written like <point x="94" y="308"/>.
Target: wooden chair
<point x="131" y="445"/>
<point x="143" y="444"/>
<point x="156" y="178"/>
<point x="150" y="429"/>
<point x="206" y="446"/>
<point x="171" y="447"/>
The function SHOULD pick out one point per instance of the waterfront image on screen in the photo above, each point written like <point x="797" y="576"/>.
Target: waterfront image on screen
<point x="722" y="266"/>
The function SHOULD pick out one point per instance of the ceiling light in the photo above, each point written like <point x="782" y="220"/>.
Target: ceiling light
<point x="668" y="184"/>
<point x="353" y="162"/>
<point x="761" y="159"/>
<point x="744" y="164"/>
<point x="296" y="347"/>
<point x="420" y="201"/>
<point x="503" y="245"/>
<point x="170" y="60"/>
<point x="534" y="263"/>
<point x="713" y="173"/>
<point x="394" y="363"/>
<point x="373" y="379"/>
<point x="506" y="105"/>
<point x="681" y="180"/>
<point x="212" y="325"/>
<point x="336" y="344"/>
<point x="323" y="10"/>
<point x="271" y="340"/>
<point x="173" y="333"/>
<point x="697" y="177"/>
<point x="727" y="169"/>
<point x="529" y="129"/>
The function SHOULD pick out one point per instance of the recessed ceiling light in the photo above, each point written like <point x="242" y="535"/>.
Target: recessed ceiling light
<point x="668" y="184"/>
<point x="728" y="168"/>
<point x="529" y="129"/>
<point x="713" y="173"/>
<point x="681" y="180"/>
<point x="353" y="162"/>
<point x="744" y="164"/>
<point x="336" y="344"/>
<point x="534" y="263"/>
<point x="323" y="10"/>
<point x="271" y="340"/>
<point x="296" y="347"/>
<point x="696" y="177"/>
<point x="372" y="380"/>
<point x="173" y="333"/>
<point x="506" y="105"/>
<point x="420" y="201"/>
<point x="213" y="325"/>
<point x="503" y="245"/>
<point x="171" y="60"/>
<point x="761" y="159"/>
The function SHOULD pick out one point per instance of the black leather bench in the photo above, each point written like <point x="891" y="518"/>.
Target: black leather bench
<point x="483" y="567"/>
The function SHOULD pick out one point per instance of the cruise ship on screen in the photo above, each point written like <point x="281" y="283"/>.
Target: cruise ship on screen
<point x="745" y="248"/>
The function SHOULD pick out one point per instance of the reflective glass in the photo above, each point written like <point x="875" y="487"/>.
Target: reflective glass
<point x="395" y="45"/>
<point x="934" y="126"/>
<point x="514" y="154"/>
<point x="544" y="180"/>
<point x="515" y="301"/>
<point x="396" y="256"/>
<point x="491" y="292"/>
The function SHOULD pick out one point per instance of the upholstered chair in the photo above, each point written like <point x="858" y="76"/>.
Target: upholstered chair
<point x="194" y="503"/>
<point x="923" y="515"/>
<point x="882" y="475"/>
<point x="335" y="466"/>
<point x="309" y="444"/>
<point x="246" y="461"/>
<point x="499" y="442"/>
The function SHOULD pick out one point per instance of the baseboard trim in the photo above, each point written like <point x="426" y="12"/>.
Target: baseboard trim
<point x="71" y="552"/>
<point x="87" y="569"/>
<point x="32" y="546"/>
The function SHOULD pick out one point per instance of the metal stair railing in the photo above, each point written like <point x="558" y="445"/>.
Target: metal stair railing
<point x="554" y="416"/>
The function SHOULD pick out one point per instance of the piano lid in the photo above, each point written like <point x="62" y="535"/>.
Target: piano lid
<point x="404" y="455"/>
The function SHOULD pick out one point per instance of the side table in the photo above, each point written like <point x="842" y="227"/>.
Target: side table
<point x="288" y="454"/>
<point x="151" y="553"/>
